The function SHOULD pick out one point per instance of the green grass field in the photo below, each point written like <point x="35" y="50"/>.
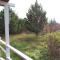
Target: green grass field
<point x="32" y="45"/>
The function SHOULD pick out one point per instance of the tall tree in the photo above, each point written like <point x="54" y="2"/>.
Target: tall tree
<point x="2" y="26"/>
<point x="21" y="25"/>
<point x="52" y="25"/>
<point x="13" y="22"/>
<point x="36" y="18"/>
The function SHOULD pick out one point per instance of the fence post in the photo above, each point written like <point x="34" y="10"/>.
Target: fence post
<point x="0" y="49"/>
<point x="6" y="18"/>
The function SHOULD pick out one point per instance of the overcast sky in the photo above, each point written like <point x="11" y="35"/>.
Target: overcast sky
<point x="52" y="7"/>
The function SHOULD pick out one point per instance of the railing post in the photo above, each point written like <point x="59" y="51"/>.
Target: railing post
<point x="6" y="17"/>
<point x="0" y="49"/>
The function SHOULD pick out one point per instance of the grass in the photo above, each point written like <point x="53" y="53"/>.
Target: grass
<point x="32" y="45"/>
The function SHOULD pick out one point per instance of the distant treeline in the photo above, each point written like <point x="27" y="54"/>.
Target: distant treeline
<point x="16" y="25"/>
<point x="35" y="21"/>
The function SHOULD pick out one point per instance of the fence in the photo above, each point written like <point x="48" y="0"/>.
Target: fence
<point x="19" y="53"/>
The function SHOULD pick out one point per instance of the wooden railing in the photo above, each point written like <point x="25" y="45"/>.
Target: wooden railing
<point x="19" y="53"/>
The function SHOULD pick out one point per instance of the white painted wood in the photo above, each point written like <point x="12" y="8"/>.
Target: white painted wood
<point x="22" y="55"/>
<point x="6" y="17"/>
<point x="7" y="44"/>
<point x="3" y="42"/>
<point x="2" y="58"/>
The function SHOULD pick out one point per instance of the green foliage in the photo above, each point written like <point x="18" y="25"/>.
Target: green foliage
<point x="36" y="18"/>
<point x="21" y="25"/>
<point x="32" y="45"/>
<point x="16" y="25"/>
<point x="2" y="23"/>
<point x="13" y="22"/>
<point x="52" y="22"/>
<point x="54" y="47"/>
<point x="36" y="46"/>
<point x="52" y="25"/>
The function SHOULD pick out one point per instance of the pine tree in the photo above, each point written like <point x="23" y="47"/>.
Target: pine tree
<point x="36" y="18"/>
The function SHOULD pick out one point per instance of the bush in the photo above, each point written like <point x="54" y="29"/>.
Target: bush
<point x="54" y="48"/>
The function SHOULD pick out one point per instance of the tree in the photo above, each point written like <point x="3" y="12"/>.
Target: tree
<point x="52" y="25"/>
<point x="53" y="47"/>
<point x="52" y="22"/>
<point x="36" y="18"/>
<point x="13" y="22"/>
<point x="21" y="25"/>
<point x="2" y="24"/>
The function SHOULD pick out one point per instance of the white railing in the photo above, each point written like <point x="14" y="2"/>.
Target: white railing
<point x="7" y="44"/>
<point x="22" y="55"/>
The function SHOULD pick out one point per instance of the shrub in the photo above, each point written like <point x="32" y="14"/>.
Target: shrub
<point x="54" y="48"/>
